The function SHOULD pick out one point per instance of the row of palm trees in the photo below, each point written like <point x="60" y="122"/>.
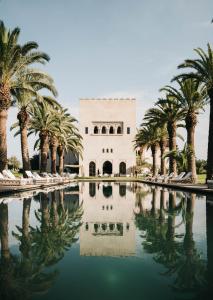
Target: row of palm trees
<point x="179" y="107"/>
<point x="23" y="86"/>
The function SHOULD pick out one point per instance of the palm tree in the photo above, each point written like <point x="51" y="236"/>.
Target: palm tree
<point x="167" y="113"/>
<point x="203" y="72"/>
<point x="44" y="122"/>
<point x="148" y="136"/>
<point x="25" y="101"/>
<point x="192" y="99"/>
<point x="15" y="75"/>
<point x="65" y="135"/>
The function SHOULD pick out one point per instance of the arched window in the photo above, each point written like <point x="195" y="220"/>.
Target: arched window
<point x="92" y="169"/>
<point x="107" y="167"/>
<point x="119" y="130"/>
<point x="103" y="130"/>
<point x="96" y="130"/>
<point x="103" y="150"/>
<point x="111" y="130"/>
<point x="107" y="150"/>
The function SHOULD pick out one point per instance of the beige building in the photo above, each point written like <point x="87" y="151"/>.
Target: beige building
<point x="108" y="128"/>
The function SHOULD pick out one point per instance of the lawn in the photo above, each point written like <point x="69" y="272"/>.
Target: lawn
<point x="201" y="178"/>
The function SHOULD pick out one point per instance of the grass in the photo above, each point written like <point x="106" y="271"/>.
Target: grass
<point x="201" y="178"/>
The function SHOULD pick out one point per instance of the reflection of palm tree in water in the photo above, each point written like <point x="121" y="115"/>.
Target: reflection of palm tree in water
<point x="20" y="277"/>
<point x="57" y="231"/>
<point x="190" y="269"/>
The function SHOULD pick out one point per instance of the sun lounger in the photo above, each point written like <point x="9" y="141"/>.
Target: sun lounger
<point x="36" y="178"/>
<point x="7" y="178"/>
<point x="186" y="178"/>
<point x="178" y="177"/>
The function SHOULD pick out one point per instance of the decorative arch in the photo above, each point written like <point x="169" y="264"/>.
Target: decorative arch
<point x="107" y="167"/>
<point x="119" y="130"/>
<point x="103" y="130"/>
<point x="96" y="130"/>
<point x="122" y="168"/>
<point x="92" y="168"/>
<point x="111" y="130"/>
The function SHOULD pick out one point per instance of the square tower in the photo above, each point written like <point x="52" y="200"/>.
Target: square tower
<point x="108" y="128"/>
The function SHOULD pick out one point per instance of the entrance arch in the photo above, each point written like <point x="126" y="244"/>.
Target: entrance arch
<point x="107" y="167"/>
<point x="92" y="169"/>
<point x="122" y="168"/>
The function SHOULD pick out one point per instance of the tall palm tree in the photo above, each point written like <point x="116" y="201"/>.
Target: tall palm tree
<point x="14" y="64"/>
<point x="65" y="136"/>
<point x="168" y="112"/>
<point x="24" y="102"/>
<point x="192" y="99"/>
<point x="148" y="136"/>
<point x="203" y="72"/>
<point x="43" y="122"/>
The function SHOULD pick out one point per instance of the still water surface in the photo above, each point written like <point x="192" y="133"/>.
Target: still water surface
<point x="106" y="241"/>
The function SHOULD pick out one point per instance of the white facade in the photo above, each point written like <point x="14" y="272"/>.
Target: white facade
<point x="108" y="128"/>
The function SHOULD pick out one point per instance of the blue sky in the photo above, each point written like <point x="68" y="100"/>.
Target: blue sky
<point x="113" y="48"/>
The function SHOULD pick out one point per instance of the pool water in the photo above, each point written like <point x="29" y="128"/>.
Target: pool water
<point x="106" y="241"/>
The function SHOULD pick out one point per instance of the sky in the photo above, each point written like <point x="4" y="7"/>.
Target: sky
<point x="112" y="48"/>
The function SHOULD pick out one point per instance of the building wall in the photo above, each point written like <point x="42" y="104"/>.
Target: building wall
<point x="107" y="112"/>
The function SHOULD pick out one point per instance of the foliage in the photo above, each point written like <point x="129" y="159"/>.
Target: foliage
<point x="14" y="162"/>
<point x="201" y="165"/>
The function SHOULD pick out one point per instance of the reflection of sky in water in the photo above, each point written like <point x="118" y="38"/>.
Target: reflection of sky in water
<point x="112" y="258"/>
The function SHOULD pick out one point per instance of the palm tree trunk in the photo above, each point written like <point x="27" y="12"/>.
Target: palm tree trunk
<point x="3" y="139"/>
<point x="53" y="153"/>
<point x="61" y="158"/>
<point x="171" y="128"/>
<point x="23" y="118"/>
<point x="163" y="144"/>
<point x="210" y="139"/>
<point x="141" y="152"/>
<point x="25" y="150"/>
<point x="191" y="121"/>
<point x="44" y="147"/>
<point x="154" y="159"/>
<point x="5" y="253"/>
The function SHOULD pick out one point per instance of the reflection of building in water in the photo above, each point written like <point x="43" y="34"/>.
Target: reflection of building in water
<point x="108" y="221"/>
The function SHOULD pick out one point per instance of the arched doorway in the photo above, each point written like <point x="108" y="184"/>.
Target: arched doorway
<point x="92" y="169"/>
<point x="122" y="168"/>
<point x="107" y="167"/>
